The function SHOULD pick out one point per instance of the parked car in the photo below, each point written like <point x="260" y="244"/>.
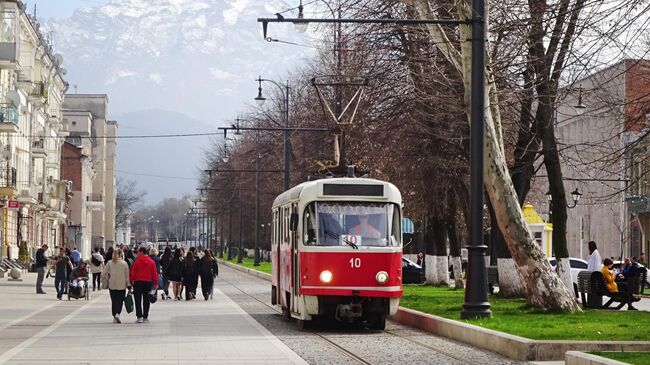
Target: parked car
<point x="576" y="265"/>
<point x="412" y="273"/>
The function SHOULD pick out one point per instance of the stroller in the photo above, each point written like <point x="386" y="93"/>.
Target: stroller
<point x="78" y="292"/>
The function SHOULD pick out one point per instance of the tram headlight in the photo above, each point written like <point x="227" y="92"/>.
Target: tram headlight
<point x="381" y="277"/>
<point x="325" y="277"/>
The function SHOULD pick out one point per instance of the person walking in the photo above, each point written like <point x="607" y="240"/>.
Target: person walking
<point x="75" y="256"/>
<point x="190" y="276"/>
<point x="116" y="274"/>
<point x="62" y="263"/>
<point x="174" y="273"/>
<point x="129" y="257"/>
<point x="41" y="268"/>
<point x="143" y="275"/>
<point x="109" y="255"/>
<point x="68" y="270"/>
<point x="594" y="262"/>
<point x="96" y="268"/>
<point x="165" y="261"/>
<point x="153" y="254"/>
<point x="208" y="269"/>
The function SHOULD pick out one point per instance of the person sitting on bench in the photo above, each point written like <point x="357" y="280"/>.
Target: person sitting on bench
<point x="614" y="287"/>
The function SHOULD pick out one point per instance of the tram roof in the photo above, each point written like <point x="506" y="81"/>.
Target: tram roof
<point x="341" y="188"/>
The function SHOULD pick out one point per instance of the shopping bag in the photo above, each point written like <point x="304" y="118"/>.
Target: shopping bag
<point x="104" y="278"/>
<point x="128" y="303"/>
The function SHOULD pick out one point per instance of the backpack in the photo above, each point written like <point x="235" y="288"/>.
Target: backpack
<point x="95" y="261"/>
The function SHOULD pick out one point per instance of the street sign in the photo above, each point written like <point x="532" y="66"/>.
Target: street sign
<point x="13" y="204"/>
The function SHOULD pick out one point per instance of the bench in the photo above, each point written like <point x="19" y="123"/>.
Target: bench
<point x="492" y="278"/>
<point x="593" y="284"/>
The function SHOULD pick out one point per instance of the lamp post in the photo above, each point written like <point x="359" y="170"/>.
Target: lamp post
<point x="575" y="195"/>
<point x="241" y="229"/>
<point x="260" y="99"/>
<point x="476" y="300"/>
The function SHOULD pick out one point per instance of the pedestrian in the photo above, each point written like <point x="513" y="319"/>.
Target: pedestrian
<point x="116" y="277"/>
<point x="41" y="268"/>
<point x="96" y="267"/>
<point x="165" y="261"/>
<point x="109" y="255"/>
<point x="61" y="264"/>
<point x="143" y="275"/>
<point x="208" y="270"/>
<point x="68" y="270"/>
<point x="78" y="279"/>
<point x="75" y="256"/>
<point x="153" y="254"/>
<point x="174" y="273"/>
<point x="190" y="276"/>
<point x="102" y="252"/>
<point x="593" y="260"/>
<point x="420" y="258"/>
<point x="129" y="257"/>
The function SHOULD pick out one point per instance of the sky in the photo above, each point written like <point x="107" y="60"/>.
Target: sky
<point x="59" y="8"/>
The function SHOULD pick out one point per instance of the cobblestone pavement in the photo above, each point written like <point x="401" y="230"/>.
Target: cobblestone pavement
<point x="334" y="344"/>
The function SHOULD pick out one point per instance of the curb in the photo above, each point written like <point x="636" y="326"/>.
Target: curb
<point x="256" y="273"/>
<point x="511" y="346"/>
<point x="514" y="347"/>
<point x="580" y="358"/>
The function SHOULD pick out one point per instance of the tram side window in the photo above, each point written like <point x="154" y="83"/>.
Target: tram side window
<point x="396" y="226"/>
<point x="309" y="225"/>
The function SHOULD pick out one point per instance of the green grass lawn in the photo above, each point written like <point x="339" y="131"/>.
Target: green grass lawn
<point x="636" y="358"/>
<point x="264" y="266"/>
<point x="514" y="316"/>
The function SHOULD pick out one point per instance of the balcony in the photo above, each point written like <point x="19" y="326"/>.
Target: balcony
<point x="8" y="118"/>
<point x="38" y="94"/>
<point x="38" y="148"/>
<point x="94" y="201"/>
<point x="28" y="196"/>
<point x="8" y="181"/>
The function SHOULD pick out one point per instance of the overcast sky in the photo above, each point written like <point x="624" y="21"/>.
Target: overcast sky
<point x="59" y="8"/>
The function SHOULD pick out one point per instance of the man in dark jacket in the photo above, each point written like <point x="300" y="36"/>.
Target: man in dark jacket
<point x="41" y="268"/>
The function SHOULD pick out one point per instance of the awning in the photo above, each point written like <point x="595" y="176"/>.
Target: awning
<point x="407" y="226"/>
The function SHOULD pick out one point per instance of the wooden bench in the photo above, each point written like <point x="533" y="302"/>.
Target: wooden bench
<point x="492" y="278"/>
<point x="593" y="284"/>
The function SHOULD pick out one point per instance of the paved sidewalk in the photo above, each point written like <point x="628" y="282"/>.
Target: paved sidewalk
<point x="38" y="329"/>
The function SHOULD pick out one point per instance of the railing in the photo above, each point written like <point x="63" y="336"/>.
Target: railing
<point x="94" y="197"/>
<point x="8" y="177"/>
<point x="8" y="114"/>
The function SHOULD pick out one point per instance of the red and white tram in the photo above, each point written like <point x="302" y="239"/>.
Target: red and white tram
<point x="337" y="251"/>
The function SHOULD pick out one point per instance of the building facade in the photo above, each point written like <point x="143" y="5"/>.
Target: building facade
<point x="601" y="128"/>
<point x="93" y="136"/>
<point x="31" y="134"/>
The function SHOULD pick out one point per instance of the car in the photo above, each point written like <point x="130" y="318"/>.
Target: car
<point x="412" y="273"/>
<point x="576" y="265"/>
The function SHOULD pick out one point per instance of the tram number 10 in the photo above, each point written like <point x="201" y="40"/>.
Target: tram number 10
<point x="355" y="263"/>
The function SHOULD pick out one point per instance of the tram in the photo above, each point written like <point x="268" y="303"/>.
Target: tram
<point x="337" y="251"/>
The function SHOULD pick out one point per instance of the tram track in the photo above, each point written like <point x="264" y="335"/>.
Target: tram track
<point x="347" y="352"/>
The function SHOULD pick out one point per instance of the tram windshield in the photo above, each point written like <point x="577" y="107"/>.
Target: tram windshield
<point x="352" y="224"/>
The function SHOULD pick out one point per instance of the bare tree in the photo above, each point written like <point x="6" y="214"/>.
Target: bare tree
<point x="127" y="200"/>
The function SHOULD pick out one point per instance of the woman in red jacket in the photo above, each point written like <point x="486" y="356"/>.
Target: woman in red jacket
<point x="143" y="275"/>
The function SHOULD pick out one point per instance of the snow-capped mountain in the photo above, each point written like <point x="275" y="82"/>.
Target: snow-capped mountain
<point x="197" y="57"/>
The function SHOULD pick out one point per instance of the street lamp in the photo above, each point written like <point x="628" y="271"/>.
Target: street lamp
<point x="260" y="99"/>
<point x="575" y="195"/>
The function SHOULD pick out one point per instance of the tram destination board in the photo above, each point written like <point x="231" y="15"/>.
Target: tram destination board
<point x="353" y="189"/>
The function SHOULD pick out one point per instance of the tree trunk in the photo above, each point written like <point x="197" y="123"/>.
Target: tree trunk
<point x="454" y="251"/>
<point x="442" y="261"/>
<point x="510" y="283"/>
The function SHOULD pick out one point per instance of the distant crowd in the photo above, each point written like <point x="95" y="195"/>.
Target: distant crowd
<point x="139" y="272"/>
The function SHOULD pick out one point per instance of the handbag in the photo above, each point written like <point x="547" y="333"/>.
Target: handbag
<point x="105" y="278"/>
<point x="153" y="296"/>
<point x="128" y="303"/>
